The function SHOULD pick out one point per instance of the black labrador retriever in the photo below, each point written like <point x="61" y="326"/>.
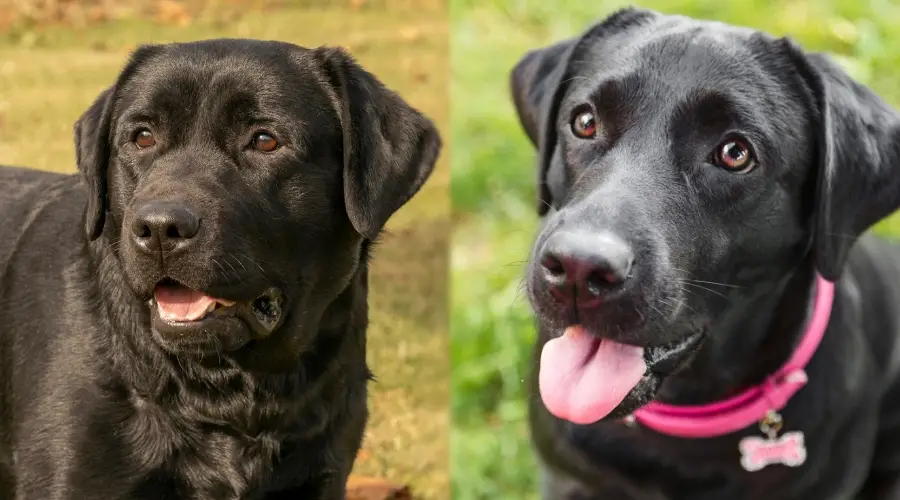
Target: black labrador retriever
<point x="189" y="321"/>
<point x="702" y="187"/>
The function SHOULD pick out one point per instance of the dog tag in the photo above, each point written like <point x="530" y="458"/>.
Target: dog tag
<point x="759" y="452"/>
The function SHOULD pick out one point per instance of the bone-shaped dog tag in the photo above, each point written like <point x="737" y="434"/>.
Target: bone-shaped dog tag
<point x="759" y="452"/>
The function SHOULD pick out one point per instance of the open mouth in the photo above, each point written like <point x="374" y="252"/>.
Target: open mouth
<point x="178" y="305"/>
<point x="583" y="378"/>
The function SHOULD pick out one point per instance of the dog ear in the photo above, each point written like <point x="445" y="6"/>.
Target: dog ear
<point x="539" y="80"/>
<point x="92" y="146"/>
<point x="536" y="86"/>
<point x="858" y="176"/>
<point x="390" y="149"/>
<point x="92" y="156"/>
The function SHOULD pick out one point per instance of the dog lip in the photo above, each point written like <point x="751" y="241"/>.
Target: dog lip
<point x="216" y="304"/>
<point x="216" y="314"/>
<point x="222" y="309"/>
<point x="228" y="298"/>
<point x="666" y="358"/>
<point x="262" y="314"/>
<point x="197" y="336"/>
<point x="268" y="308"/>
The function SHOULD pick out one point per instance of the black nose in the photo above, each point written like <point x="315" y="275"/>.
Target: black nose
<point x="164" y="226"/>
<point x="586" y="267"/>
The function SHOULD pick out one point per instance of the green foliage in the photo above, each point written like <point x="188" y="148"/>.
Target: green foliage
<point x="493" y="195"/>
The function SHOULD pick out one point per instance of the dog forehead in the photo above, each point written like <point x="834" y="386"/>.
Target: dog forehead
<point x="673" y="59"/>
<point x="245" y="72"/>
<point x="688" y="49"/>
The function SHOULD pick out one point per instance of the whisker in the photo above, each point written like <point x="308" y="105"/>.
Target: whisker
<point x="710" y="290"/>
<point x="716" y="283"/>
<point x="236" y="258"/>
<point x="224" y="272"/>
<point x="257" y="264"/>
<point x="691" y="279"/>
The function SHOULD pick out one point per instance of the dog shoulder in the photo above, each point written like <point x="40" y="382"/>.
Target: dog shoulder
<point x="43" y="201"/>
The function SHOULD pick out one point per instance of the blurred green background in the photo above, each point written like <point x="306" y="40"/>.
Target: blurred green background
<point x="56" y="56"/>
<point x="493" y="175"/>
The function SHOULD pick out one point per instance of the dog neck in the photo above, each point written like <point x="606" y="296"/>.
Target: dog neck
<point x="769" y="329"/>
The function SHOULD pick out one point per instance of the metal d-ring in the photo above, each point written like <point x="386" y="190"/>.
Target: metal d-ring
<point x="771" y="424"/>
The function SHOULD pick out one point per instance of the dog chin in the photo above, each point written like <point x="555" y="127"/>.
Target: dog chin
<point x="206" y="337"/>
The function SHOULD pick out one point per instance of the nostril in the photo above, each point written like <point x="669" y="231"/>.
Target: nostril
<point x="143" y="231"/>
<point x="172" y="232"/>
<point x="601" y="281"/>
<point x="553" y="265"/>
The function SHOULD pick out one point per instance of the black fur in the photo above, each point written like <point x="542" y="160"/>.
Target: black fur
<point x="95" y="401"/>
<point x="731" y="256"/>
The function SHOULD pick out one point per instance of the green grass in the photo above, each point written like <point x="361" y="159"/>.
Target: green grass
<point x="49" y="75"/>
<point x="493" y="195"/>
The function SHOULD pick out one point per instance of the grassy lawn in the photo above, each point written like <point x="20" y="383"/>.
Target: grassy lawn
<point x="493" y="195"/>
<point x="49" y="75"/>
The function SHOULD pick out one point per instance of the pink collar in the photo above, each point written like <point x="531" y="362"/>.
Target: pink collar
<point x="749" y="407"/>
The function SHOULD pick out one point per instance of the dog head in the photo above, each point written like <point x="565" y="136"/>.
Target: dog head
<point x="239" y="182"/>
<point x="686" y="169"/>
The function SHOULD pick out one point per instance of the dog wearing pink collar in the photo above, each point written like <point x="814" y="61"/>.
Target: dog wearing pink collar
<point x="712" y="322"/>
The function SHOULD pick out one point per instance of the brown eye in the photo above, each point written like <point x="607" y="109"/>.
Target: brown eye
<point x="264" y="142"/>
<point x="584" y="125"/>
<point x="734" y="156"/>
<point x="144" y="139"/>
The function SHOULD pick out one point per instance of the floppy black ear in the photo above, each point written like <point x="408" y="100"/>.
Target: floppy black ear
<point x="858" y="180"/>
<point x="92" y="155"/>
<point x="536" y="85"/>
<point x="92" y="148"/>
<point x="390" y="149"/>
<point x="539" y="80"/>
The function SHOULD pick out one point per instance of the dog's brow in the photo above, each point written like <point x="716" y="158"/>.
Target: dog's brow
<point x="142" y="116"/>
<point x="615" y="94"/>
<point x="717" y="108"/>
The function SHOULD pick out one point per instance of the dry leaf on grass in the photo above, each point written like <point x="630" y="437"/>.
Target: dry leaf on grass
<point x="373" y="488"/>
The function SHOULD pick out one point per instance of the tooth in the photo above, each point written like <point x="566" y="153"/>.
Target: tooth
<point x="225" y="303"/>
<point x="210" y="308"/>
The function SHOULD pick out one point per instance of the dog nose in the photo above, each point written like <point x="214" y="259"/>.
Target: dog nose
<point x="164" y="226"/>
<point x="585" y="266"/>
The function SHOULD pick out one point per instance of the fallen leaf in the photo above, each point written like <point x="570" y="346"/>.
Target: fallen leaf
<point x="373" y="488"/>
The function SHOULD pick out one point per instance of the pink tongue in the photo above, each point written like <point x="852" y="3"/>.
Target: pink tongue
<point x="582" y="382"/>
<point x="177" y="303"/>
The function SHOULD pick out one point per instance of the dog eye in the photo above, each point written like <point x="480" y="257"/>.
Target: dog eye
<point x="735" y="156"/>
<point x="265" y="143"/>
<point x="144" y="139"/>
<point x="584" y="125"/>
